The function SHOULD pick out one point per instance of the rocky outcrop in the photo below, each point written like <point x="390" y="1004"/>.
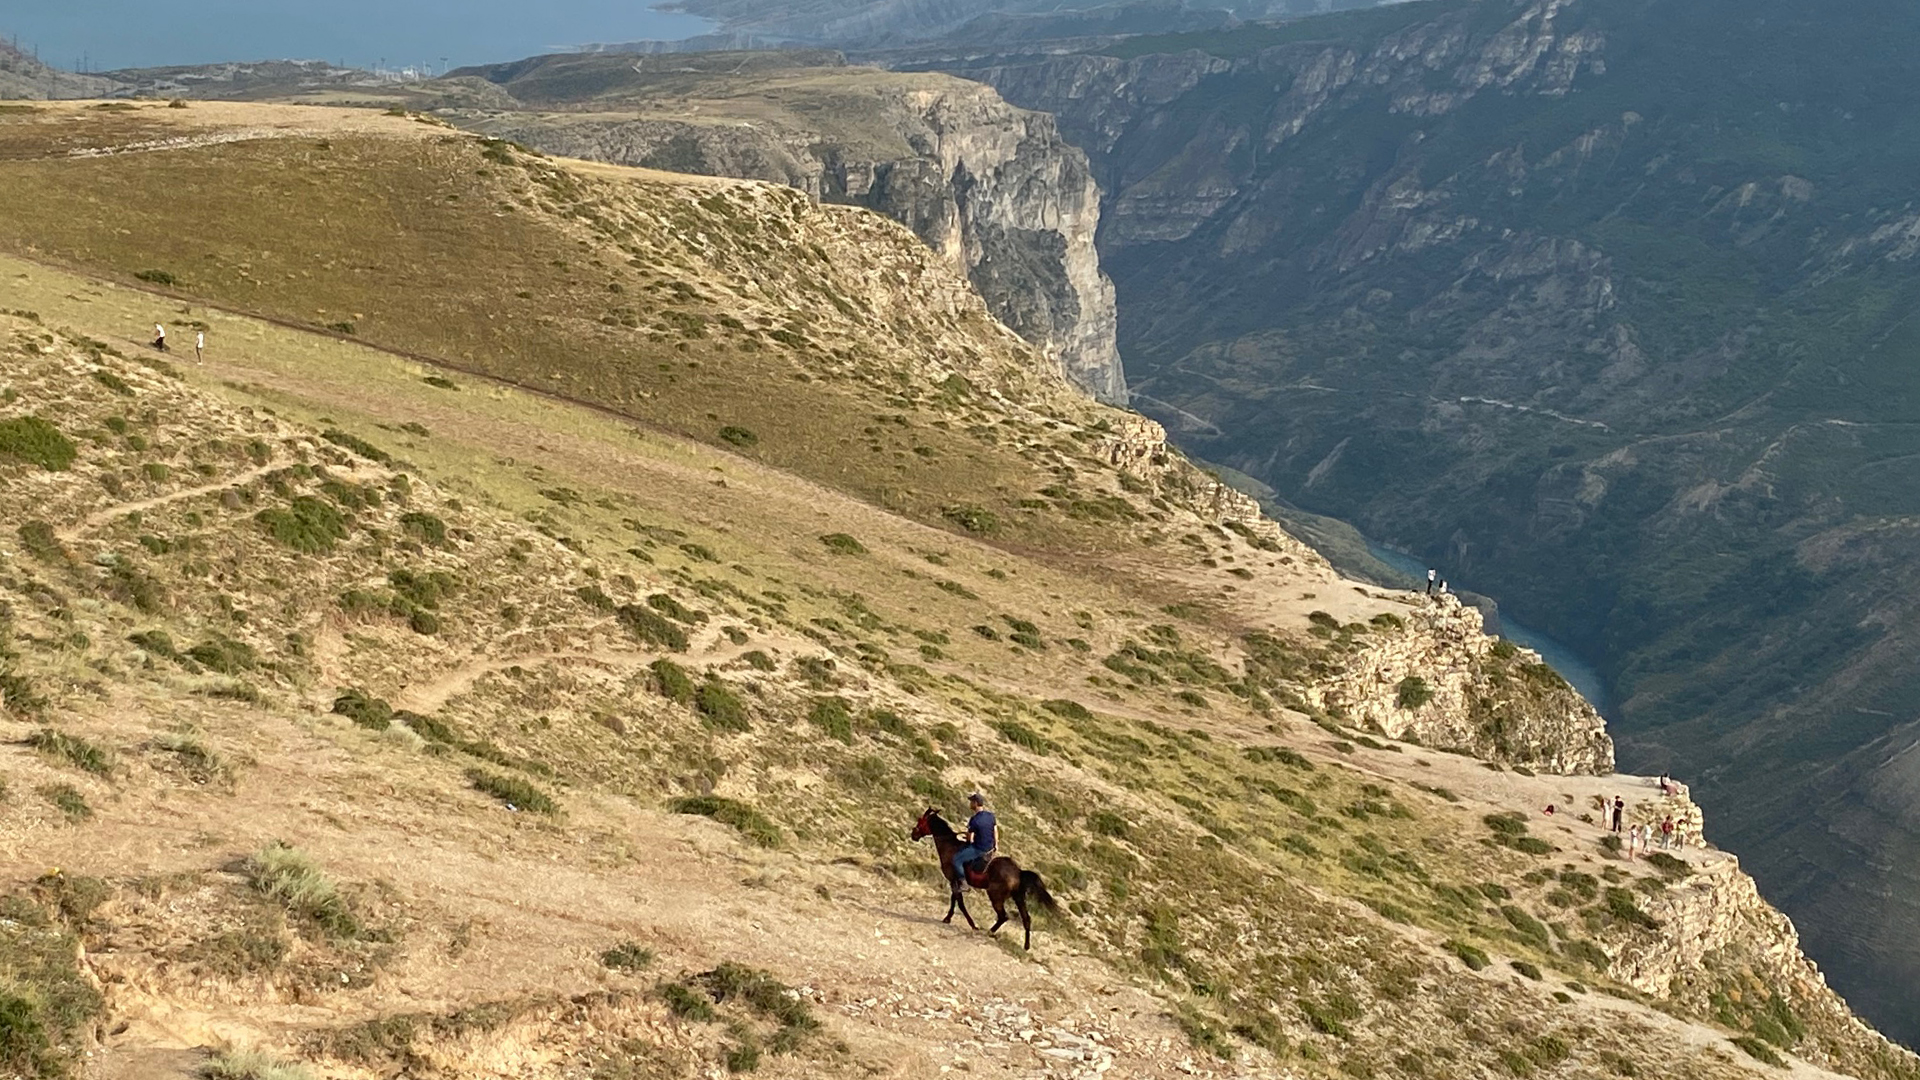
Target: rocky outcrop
<point x="1439" y="680"/>
<point x="992" y="188"/>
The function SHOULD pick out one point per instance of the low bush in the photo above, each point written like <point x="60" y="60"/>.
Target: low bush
<point x="224" y="655"/>
<point x="1759" y="1051"/>
<point x="424" y="527"/>
<point x="308" y="525"/>
<point x="355" y="443"/>
<point x="843" y="544"/>
<point x="368" y="712"/>
<point x="627" y="956"/>
<point x="293" y="878"/>
<point x="516" y="793"/>
<point x="234" y="1064"/>
<point x="973" y="519"/>
<point x="34" y="441"/>
<point x="719" y="707"/>
<point x="73" y="750"/>
<point x="751" y="823"/>
<point x="649" y="627"/>
<point x="1413" y="692"/>
<point x="1475" y="958"/>
<point x="1530" y="970"/>
<point x="831" y="715"/>
<point x="672" y="681"/>
<point x="67" y="799"/>
<point x="738" y="436"/>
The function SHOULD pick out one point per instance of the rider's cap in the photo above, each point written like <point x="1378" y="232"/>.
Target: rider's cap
<point x="976" y="797"/>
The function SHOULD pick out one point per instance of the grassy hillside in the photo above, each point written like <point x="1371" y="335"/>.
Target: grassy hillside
<point x="368" y="712"/>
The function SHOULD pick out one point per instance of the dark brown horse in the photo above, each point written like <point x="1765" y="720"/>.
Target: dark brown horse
<point x="1004" y="878"/>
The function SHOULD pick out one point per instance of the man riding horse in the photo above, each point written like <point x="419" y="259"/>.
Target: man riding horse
<point x="1000" y="876"/>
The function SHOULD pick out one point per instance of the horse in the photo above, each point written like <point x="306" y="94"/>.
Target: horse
<point x="1003" y="878"/>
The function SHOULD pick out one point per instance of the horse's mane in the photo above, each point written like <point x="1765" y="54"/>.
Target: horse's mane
<point x="939" y="826"/>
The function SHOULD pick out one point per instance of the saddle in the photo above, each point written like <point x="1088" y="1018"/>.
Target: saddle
<point x="977" y="872"/>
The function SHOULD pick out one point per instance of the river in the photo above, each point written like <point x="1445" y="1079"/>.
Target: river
<point x="1583" y="676"/>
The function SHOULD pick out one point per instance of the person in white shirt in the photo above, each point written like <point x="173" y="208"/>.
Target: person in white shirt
<point x="159" y="337"/>
<point x="199" y="343"/>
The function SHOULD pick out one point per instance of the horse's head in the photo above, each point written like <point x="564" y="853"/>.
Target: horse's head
<point x="924" y="827"/>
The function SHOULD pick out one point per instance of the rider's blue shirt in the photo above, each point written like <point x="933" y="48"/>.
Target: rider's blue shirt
<point x="981" y="826"/>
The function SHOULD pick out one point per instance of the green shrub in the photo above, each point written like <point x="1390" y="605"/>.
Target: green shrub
<point x="290" y="876"/>
<point x="973" y="519"/>
<point x="357" y="444"/>
<point x="751" y="823"/>
<point x="627" y="956"/>
<point x="1529" y="928"/>
<point x="1071" y="710"/>
<point x="1621" y="905"/>
<point x="157" y="642"/>
<point x="830" y="714"/>
<point x="41" y="541"/>
<point x="1530" y="970"/>
<point x="156" y="277"/>
<point x="1474" y="958"/>
<point x="1759" y="1051"/>
<point x="307" y="525"/>
<point x="758" y="661"/>
<point x="36" y="442"/>
<point x="119" y="386"/>
<point x="234" y="1064"/>
<point x="719" y="707"/>
<point x="440" y="382"/>
<point x="687" y="1003"/>
<point x="513" y="791"/>
<point x="1021" y="735"/>
<point x="424" y="527"/>
<point x="672" y="681"/>
<point x="1413" y="692"/>
<point x="651" y="628"/>
<point x="738" y="436"/>
<point x="674" y="609"/>
<point x="73" y="750"/>
<point x="224" y="655"/>
<point x="67" y="799"/>
<point x="843" y="544"/>
<point x="1668" y="865"/>
<point x="368" y="712"/>
<point x="1331" y="1015"/>
<point x="1108" y="823"/>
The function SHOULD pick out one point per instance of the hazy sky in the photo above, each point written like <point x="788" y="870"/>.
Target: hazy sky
<point x="144" y="33"/>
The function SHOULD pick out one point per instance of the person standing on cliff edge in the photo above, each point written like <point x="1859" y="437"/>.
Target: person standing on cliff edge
<point x="1432" y="576"/>
<point x="1619" y="808"/>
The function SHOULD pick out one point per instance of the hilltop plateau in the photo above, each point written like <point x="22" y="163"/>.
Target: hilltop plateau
<point x="520" y="644"/>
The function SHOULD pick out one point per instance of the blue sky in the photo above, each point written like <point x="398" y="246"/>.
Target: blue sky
<point x="141" y="33"/>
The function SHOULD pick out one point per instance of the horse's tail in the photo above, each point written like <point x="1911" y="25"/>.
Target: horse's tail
<point x="1034" y="889"/>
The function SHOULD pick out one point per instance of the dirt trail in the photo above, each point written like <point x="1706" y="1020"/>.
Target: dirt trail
<point x="429" y="696"/>
<point x="118" y="510"/>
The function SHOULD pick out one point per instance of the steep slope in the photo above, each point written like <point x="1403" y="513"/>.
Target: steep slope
<point x="486" y="657"/>
<point x="1601" y="305"/>
<point x="993" y="189"/>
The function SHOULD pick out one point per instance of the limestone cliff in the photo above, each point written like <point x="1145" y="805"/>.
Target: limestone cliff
<point x="1438" y="679"/>
<point x="994" y="189"/>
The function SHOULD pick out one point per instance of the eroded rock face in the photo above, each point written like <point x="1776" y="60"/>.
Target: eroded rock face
<point x="1439" y="680"/>
<point x="993" y="189"/>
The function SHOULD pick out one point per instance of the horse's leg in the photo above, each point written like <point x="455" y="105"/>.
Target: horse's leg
<point x="952" y="902"/>
<point x="1026" y="921"/>
<point x="998" y="895"/>
<point x="962" y="901"/>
